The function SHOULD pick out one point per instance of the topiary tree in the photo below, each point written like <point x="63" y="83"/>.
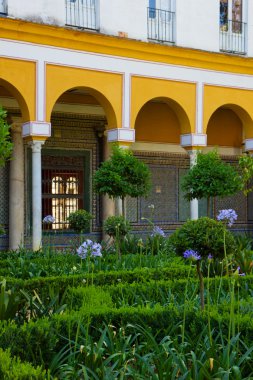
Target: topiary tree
<point x="79" y="221"/>
<point x="122" y="175"/>
<point x="5" y="143"/>
<point x="116" y="225"/>
<point x="211" y="177"/>
<point x="202" y="239"/>
<point x="246" y="166"/>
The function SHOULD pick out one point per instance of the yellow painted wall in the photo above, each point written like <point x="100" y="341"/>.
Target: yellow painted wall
<point x="19" y="78"/>
<point x="179" y="96"/>
<point x="67" y="38"/>
<point x="157" y="122"/>
<point x="238" y="100"/>
<point x="224" y="129"/>
<point x="105" y="87"/>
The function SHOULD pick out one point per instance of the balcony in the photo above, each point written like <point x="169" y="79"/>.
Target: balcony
<point x="81" y="14"/>
<point x="3" y="8"/>
<point x="160" y="25"/>
<point x="233" y="37"/>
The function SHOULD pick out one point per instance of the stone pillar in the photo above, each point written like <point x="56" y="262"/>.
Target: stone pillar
<point x="35" y="133"/>
<point x="194" y="204"/>
<point x="16" y="191"/>
<point x="36" y="194"/>
<point x="108" y="205"/>
<point x="193" y="142"/>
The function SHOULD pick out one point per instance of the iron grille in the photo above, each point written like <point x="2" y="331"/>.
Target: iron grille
<point x="62" y="193"/>
<point x="233" y="37"/>
<point x="160" y="25"/>
<point x="3" y="7"/>
<point x="81" y="14"/>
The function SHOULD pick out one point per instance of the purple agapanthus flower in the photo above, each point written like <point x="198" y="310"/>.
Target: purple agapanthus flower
<point x="210" y="257"/>
<point x="229" y="216"/>
<point x="49" y="219"/>
<point x="157" y="231"/>
<point x="190" y="254"/>
<point x="88" y="248"/>
<point x="238" y="270"/>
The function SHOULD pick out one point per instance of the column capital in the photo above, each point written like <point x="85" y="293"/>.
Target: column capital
<point x="248" y="145"/>
<point x="124" y="135"/>
<point x="37" y="130"/>
<point x="16" y="127"/>
<point x="36" y="145"/>
<point x="193" y="141"/>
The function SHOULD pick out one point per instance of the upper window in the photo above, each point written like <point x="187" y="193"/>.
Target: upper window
<point x="3" y="7"/>
<point x="81" y="14"/>
<point x="231" y="11"/>
<point x="232" y="27"/>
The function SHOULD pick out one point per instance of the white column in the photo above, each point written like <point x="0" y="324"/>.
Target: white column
<point x="36" y="194"/>
<point x="194" y="205"/>
<point x="16" y="182"/>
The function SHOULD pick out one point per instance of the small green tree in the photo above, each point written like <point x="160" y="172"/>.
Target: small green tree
<point x="122" y="175"/>
<point x="211" y="177"/>
<point x="246" y="166"/>
<point x="5" y="143"/>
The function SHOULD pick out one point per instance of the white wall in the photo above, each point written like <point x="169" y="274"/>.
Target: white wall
<point x="197" y="24"/>
<point x="197" y="21"/>
<point x="249" y="20"/>
<point x="129" y="16"/>
<point x="42" y="11"/>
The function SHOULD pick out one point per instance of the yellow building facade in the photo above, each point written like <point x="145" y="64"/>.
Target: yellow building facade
<point x="71" y="94"/>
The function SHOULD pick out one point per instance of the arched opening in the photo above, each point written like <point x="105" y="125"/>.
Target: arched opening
<point x="158" y="127"/>
<point x="157" y="122"/>
<point x="71" y="155"/>
<point x="12" y="181"/>
<point x="226" y="130"/>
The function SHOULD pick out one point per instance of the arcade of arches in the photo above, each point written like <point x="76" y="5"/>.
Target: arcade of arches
<point x="54" y="160"/>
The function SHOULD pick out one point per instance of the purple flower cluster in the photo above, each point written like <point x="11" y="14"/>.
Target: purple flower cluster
<point x="238" y="271"/>
<point x="229" y="216"/>
<point x="88" y="248"/>
<point x="157" y="231"/>
<point x="191" y="255"/>
<point x="49" y="219"/>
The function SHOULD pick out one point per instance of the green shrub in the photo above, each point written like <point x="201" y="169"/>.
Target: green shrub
<point x="116" y="226"/>
<point x="14" y="369"/>
<point x="204" y="235"/>
<point x="11" y="368"/>
<point x="79" y="221"/>
<point x="89" y="297"/>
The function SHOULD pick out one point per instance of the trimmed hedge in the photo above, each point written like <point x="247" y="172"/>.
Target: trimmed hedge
<point x="159" y="291"/>
<point x="11" y="368"/>
<point x="100" y="278"/>
<point x="37" y="342"/>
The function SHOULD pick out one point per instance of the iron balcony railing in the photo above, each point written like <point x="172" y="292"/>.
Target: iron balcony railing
<point x="160" y="25"/>
<point x="81" y="14"/>
<point x="3" y="8"/>
<point x="233" y="37"/>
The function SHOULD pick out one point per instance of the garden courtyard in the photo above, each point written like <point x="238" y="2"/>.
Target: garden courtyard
<point x="132" y="309"/>
<point x="154" y="305"/>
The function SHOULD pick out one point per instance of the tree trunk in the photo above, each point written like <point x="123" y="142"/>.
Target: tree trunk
<point x="201" y="286"/>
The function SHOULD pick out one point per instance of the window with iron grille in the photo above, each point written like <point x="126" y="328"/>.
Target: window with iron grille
<point x="3" y="7"/>
<point x="232" y="27"/>
<point x="82" y="13"/>
<point x="64" y="187"/>
<point x="160" y="21"/>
